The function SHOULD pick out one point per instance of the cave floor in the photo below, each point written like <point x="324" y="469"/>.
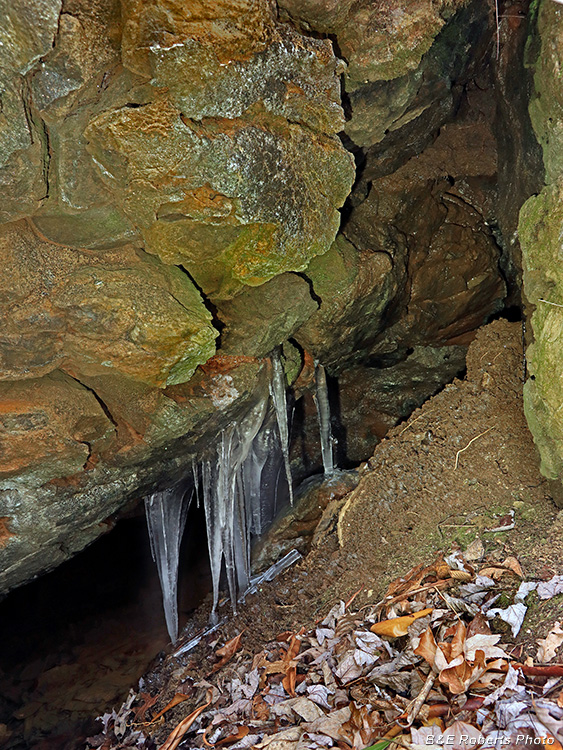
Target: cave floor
<point x="463" y="465"/>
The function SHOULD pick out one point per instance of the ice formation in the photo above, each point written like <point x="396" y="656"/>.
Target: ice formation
<point x="237" y="481"/>
<point x="323" y="414"/>
<point x="166" y="513"/>
<point x="278" y="393"/>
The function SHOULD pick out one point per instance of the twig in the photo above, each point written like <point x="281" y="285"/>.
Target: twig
<point x="422" y="696"/>
<point x="547" y="302"/>
<point x="460" y="451"/>
<point x="410" y="424"/>
<point x="498" y="28"/>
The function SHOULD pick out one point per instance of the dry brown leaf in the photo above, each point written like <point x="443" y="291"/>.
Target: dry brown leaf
<point x="427" y="647"/>
<point x="177" y="699"/>
<point x="228" y="651"/>
<point x="560" y="699"/>
<point x="294" y="647"/>
<point x="288" y="681"/>
<point x="512" y="564"/>
<point x="461" y="575"/>
<point x="495" y="572"/>
<point x="148" y="702"/>
<point x="479" y="625"/>
<point x="175" y="736"/>
<point x="398" y="626"/>
<point x="242" y="732"/>
<point x="549" y="645"/>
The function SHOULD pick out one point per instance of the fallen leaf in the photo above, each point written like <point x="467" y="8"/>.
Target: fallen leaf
<point x="175" y="736"/>
<point x="548" y="646"/>
<point x="398" y="626"/>
<point x="512" y="564"/>
<point x="227" y="651"/>
<point x="178" y="698"/>
<point x="288" y="681"/>
<point x="148" y="702"/>
<point x="549" y="589"/>
<point x="242" y="732"/>
<point x="427" y="647"/>
<point x="513" y="615"/>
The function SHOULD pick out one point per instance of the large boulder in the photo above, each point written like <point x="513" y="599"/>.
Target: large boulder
<point x="540" y="229"/>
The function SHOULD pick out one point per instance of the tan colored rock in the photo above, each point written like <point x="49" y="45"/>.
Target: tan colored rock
<point x="259" y="318"/>
<point x="355" y="289"/>
<point x="49" y="427"/>
<point x="271" y="188"/>
<point x="120" y="310"/>
<point x="27" y="32"/>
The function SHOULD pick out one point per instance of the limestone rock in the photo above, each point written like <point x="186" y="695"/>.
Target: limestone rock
<point x="49" y="428"/>
<point x="221" y="170"/>
<point x="259" y="318"/>
<point x="541" y="224"/>
<point x="27" y="32"/>
<point x="416" y="263"/>
<point x="158" y="434"/>
<point x="96" y="312"/>
<point x="355" y="289"/>
<point x="540" y="227"/>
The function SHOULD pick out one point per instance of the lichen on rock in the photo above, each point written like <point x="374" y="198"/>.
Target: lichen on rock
<point x="540" y="229"/>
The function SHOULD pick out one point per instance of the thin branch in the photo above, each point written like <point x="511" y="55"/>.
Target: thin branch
<point x="547" y="302"/>
<point x="460" y="451"/>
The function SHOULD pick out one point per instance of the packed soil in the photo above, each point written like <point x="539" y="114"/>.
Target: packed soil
<point x="462" y="467"/>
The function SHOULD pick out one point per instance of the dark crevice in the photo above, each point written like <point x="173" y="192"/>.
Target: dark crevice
<point x="216" y="321"/>
<point x="314" y="296"/>
<point x="102" y="404"/>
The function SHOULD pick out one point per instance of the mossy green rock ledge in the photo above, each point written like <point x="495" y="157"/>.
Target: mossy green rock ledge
<point x="541" y="230"/>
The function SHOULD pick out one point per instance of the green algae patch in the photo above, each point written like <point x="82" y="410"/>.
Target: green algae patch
<point x="540" y="229"/>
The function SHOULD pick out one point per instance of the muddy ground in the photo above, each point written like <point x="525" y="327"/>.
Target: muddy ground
<point x="463" y="464"/>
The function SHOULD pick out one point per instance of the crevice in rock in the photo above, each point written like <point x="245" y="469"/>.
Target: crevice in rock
<point x="314" y="296"/>
<point x="216" y="321"/>
<point x="104" y="407"/>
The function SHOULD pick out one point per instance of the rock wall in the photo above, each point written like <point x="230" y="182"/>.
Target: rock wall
<point x="187" y="185"/>
<point x="540" y="228"/>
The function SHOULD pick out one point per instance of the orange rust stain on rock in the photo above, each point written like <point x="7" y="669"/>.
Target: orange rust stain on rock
<point x="74" y="480"/>
<point x="5" y="533"/>
<point x="306" y="377"/>
<point x="9" y="406"/>
<point x="226" y="362"/>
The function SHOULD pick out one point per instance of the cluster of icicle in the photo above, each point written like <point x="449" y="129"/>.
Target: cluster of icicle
<point x="238" y="485"/>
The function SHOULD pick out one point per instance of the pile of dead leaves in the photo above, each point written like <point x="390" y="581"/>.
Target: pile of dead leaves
<point x="422" y="667"/>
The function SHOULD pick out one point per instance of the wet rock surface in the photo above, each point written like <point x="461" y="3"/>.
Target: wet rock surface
<point x="174" y="179"/>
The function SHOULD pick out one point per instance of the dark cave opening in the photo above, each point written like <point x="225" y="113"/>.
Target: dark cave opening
<point x="74" y="640"/>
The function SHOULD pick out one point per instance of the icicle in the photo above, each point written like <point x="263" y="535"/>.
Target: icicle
<point x="166" y="513"/>
<point x="323" y="414"/>
<point x="278" y="392"/>
<point x="226" y="514"/>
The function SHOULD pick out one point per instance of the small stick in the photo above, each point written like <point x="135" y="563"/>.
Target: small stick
<point x="422" y="696"/>
<point x="460" y="451"/>
<point x="547" y="302"/>
<point x="410" y="424"/>
<point x="498" y="28"/>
